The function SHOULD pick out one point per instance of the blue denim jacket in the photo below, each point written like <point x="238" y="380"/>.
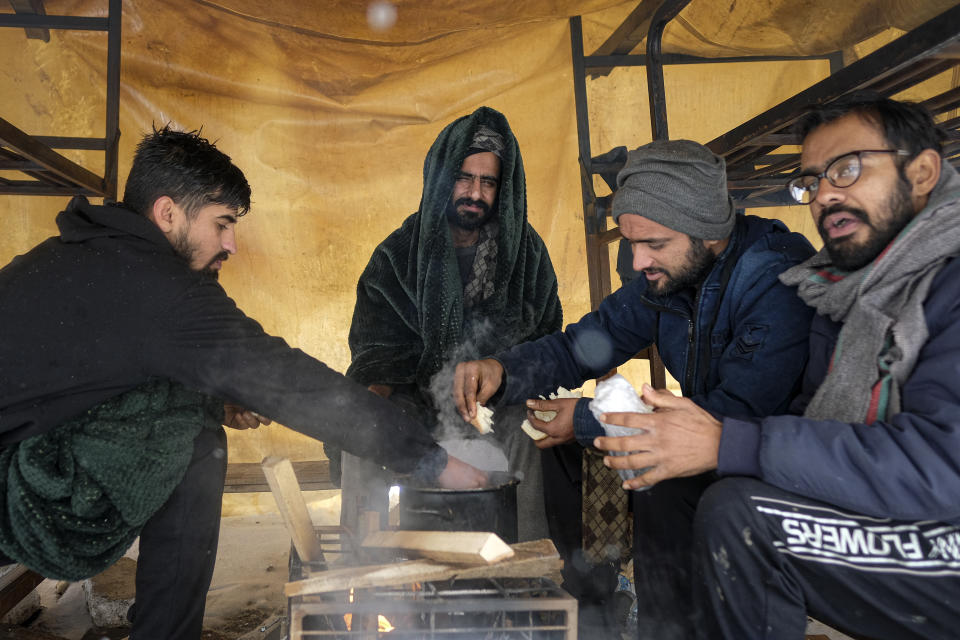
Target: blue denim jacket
<point x="737" y="345"/>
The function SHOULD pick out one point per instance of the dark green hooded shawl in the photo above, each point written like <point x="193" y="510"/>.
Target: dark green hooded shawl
<point x="409" y="319"/>
<point x="73" y="500"/>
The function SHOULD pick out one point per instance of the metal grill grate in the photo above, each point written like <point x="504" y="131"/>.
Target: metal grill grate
<point x="487" y="609"/>
<point x="492" y="609"/>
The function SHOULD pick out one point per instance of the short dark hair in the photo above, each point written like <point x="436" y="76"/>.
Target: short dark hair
<point x="186" y="167"/>
<point x="905" y="125"/>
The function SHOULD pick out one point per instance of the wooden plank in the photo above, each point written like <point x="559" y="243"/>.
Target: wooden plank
<point x="449" y="547"/>
<point x="15" y="585"/>
<point x="247" y="477"/>
<point x="531" y="559"/>
<point x="369" y="523"/>
<point x="293" y="509"/>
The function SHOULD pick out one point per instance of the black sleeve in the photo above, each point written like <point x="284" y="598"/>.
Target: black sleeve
<point x="208" y="343"/>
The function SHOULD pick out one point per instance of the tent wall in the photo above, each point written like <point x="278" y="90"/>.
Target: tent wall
<point x="330" y="121"/>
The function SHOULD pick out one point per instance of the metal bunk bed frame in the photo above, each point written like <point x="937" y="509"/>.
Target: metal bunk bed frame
<point x="756" y="174"/>
<point x="33" y="155"/>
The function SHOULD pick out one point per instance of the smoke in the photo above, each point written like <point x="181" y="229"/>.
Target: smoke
<point x="458" y="437"/>
<point x="450" y="425"/>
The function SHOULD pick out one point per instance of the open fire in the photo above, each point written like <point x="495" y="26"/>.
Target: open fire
<point x="482" y="608"/>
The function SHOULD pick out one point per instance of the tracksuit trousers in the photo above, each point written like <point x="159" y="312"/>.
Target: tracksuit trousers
<point x="765" y="559"/>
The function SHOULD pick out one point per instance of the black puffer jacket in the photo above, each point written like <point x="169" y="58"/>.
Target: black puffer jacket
<point x="108" y="304"/>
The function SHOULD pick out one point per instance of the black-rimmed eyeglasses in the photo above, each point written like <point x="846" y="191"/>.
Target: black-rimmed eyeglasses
<point x="841" y="172"/>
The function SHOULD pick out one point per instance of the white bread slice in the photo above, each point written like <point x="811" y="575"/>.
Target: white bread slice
<point x="547" y="416"/>
<point x="483" y="421"/>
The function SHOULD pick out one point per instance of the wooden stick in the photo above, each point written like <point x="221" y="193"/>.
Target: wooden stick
<point x="292" y="507"/>
<point x="532" y="559"/>
<point x="450" y="547"/>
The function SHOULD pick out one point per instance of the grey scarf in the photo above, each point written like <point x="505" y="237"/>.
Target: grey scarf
<point x="881" y="307"/>
<point x="479" y="286"/>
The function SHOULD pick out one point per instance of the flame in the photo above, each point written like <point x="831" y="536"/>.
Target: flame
<point x="383" y="624"/>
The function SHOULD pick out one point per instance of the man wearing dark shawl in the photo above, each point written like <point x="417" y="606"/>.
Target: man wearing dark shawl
<point x="464" y="276"/>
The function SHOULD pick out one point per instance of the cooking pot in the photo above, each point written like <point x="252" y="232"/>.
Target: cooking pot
<point x="490" y="508"/>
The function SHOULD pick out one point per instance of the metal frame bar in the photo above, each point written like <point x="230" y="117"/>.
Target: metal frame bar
<point x="754" y="169"/>
<point x="32" y="7"/>
<point x="60" y="169"/>
<point x="608" y="62"/>
<point x="52" y="173"/>
<point x="31" y="21"/>
<point x="924" y="52"/>
<point x="597" y="236"/>
<point x="655" y="85"/>
<point x="594" y="222"/>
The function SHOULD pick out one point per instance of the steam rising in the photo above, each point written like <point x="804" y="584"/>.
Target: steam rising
<point x="458" y="437"/>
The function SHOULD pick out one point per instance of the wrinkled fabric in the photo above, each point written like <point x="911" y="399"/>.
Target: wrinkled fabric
<point x="73" y="500"/>
<point x="410" y="318"/>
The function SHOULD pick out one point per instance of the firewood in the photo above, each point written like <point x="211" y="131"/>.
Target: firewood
<point x="451" y="547"/>
<point x="292" y="507"/>
<point x="531" y="559"/>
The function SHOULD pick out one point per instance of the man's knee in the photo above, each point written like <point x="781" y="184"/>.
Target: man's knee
<point x="726" y="509"/>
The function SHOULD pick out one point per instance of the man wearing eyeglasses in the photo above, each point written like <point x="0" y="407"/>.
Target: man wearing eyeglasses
<point x="847" y="512"/>
<point x="464" y="275"/>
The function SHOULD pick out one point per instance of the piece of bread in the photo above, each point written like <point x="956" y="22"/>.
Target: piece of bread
<point x="528" y="429"/>
<point x="547" y="416"/>
<point x="483" y="421"/>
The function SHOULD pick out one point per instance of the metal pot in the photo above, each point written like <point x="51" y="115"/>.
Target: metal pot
<point x="491" y="508"/>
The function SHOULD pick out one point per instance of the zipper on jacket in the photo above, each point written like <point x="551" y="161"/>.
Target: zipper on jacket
<point x="691" y="345"/>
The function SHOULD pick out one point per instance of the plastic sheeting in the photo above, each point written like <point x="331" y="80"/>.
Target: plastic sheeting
<point x="331" y="119"/>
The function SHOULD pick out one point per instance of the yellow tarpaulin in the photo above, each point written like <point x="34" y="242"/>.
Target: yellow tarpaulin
<point x="331" y="119"/>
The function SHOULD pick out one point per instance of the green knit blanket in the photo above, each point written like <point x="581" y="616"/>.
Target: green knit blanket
<point x="73" y="500"/>
<point x="409" y="320"/>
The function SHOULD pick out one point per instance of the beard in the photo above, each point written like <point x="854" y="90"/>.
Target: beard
<point x="848" y="256"/>
<point x="468" y="220"/>
<point x="186" y="250"/>
<point x="699" y="261"/>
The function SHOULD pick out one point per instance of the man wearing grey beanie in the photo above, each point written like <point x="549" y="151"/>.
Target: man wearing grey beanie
<point x="728" y="330"/>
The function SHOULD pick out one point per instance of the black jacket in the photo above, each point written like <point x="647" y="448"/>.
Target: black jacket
<point x="108" y="304"/>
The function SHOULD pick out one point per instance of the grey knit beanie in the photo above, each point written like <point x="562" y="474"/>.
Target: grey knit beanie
<point x="677" y="183"/>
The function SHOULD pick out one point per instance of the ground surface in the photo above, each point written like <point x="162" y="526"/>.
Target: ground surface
<point x="247" y="586"/>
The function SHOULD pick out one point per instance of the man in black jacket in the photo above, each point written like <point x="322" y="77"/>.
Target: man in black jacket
<point x="118" y="352"/>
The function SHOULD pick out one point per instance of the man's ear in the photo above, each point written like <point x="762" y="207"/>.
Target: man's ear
<point x="164" y="213"/>
<point x="923" y="172"/>
<point x="717" y="246"/>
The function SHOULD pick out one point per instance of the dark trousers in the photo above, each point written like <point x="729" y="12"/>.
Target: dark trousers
<point x="593" y="585"/>
<point x="662" y="541"/>
<point x="178" y="549"/>
<point x="662" y="559"/>
<point x="766" y="558"/>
